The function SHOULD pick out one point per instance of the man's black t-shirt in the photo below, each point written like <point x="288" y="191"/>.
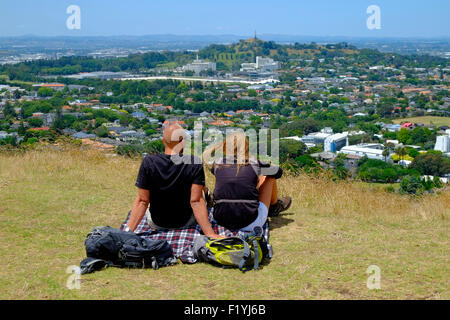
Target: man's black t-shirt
<point x="169" y="183"/>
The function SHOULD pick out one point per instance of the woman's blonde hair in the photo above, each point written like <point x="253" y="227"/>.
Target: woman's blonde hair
<point x="234" y="147"/>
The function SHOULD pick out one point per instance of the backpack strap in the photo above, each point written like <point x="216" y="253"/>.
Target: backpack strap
<point x="255" y="248"/>
<point x="245" y="257"/>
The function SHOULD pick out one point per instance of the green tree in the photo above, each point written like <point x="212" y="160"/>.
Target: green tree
<point x="404" y="136"/>
<point x="8" y="111"/>
<point x="252" y="93"/>
<point x="291" y="149"/>
<point x="45" y="92"/>
<point x="410" y="185"/>
<point x="35" y="122"/>
<point x="385" y="154"/>
<point x="432" y="164"/>
<point x="401" y="151"/>
<point x="413" y="153"/>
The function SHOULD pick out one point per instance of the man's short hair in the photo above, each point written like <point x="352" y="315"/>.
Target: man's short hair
<point x="173" y="135"/>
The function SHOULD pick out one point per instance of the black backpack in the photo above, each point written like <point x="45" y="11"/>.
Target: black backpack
<point x="106" y="246"/>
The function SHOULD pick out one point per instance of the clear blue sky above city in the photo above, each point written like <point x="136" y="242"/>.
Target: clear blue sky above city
<point x="399" y="18"/>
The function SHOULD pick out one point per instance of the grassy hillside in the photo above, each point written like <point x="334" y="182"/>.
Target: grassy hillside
<point x="426" y="120"/>
<point x="50" y="199"/>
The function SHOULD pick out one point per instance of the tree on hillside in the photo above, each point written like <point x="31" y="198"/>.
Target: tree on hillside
<point x="385" y="154"/>
<point x="401" y="151"/>
<point x="291" y="149"/>
<point x="432" y="164"/>
<point x="299" y="127"/>
<point x="410" y="185"/>
<point x="45" y="92"/>
<point x="8" y="111"/>
<point x="252" y="93"/>
<point x="404" y="136"/>
<point x="35" y="122"/>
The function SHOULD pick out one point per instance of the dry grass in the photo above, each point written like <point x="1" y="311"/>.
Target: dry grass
<point x="50" y="199"/>
<point x="427" y="120"/>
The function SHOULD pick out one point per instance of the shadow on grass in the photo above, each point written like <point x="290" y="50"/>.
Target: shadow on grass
<point x="280" y="221"/>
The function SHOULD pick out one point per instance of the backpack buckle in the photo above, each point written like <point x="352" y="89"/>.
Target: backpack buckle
<point x="258" y="231"/>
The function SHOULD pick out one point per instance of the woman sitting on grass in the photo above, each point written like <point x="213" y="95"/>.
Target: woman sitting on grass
<point x="243" y="196"/>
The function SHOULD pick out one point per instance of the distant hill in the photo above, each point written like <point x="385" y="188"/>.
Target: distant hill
<point x="82" y="45"/>
<point x="232" y="55"/>
<point x="228" y="57"/>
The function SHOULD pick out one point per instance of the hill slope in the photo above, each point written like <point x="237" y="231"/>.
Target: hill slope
<point x="323" y="245"/>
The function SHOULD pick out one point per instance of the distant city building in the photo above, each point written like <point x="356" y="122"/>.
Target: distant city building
<point x="369" y="150"/>
<point x="54" y="86"/>
<point x="103" y="75"/>
<point x="335" y="142"/>
<point x="442" y="144"/>
<point x="139" y="115"/>
<point x="261" y="65"/>
<point x="392" y="127"/>
<point x="167" y="123"/>
<point x="197" y="66"/>
<point x="83" y="135"/>
<point x="315" y="138"/>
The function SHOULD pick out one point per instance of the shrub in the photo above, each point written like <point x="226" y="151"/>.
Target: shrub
<point x="410" y="185"/>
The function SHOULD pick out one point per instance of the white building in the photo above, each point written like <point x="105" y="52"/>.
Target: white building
<point x="370" y="150"/>
<point x="198" y="66"/>
<point x="261" y="65"/>
<point x="442" y="143"/>
<point x="315" y="138"/>
<point x="335" y="142"/>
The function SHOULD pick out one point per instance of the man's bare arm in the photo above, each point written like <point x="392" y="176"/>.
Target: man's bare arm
<point x="198" y="205"/>
<point x="140" y="205"/>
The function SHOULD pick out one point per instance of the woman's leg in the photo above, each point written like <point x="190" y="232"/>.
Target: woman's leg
<point x="273" y="189"/>
<point x="265" y="189"/>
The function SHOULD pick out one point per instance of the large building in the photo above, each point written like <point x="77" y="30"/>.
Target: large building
<point x="443" y="143"/>
<point x="313" y="139"/>
<point x="335" y="142"/>
<point x="261" y="65"/>
<point x="197" y="66"/>
<point x="370" y="150"/>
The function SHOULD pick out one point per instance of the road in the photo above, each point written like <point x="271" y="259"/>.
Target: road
<point x="202" y="79"/>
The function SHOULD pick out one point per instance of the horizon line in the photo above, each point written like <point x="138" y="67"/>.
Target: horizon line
<point x="447" y="37"/>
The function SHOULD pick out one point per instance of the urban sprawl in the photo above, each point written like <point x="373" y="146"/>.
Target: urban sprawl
<point x="354" y="112"/>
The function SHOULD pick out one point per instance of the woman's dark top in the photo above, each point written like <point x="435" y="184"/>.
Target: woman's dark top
<point x="236" y="195"/>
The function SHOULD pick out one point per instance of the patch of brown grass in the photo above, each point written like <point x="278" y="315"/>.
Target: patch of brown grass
<point x="51" y="197"/>
<point x="346" y="198"/>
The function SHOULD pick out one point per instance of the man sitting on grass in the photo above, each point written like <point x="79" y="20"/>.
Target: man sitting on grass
<point x="172" y="185"/>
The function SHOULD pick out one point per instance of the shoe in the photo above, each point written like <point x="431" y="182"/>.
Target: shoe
<point x="281" y="205"/>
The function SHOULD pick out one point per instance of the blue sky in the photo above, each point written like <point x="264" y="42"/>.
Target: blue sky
<point x="399" y="18"/>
